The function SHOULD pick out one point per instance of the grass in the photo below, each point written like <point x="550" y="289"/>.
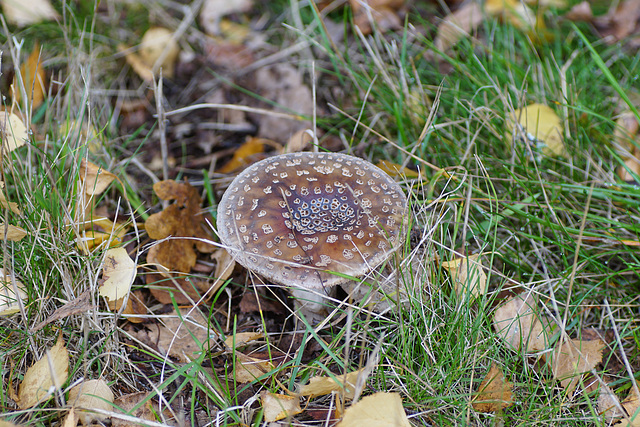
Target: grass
<point x="563" y="228"/>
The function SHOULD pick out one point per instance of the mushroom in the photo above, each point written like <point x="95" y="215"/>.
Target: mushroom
<point x="312" y="220"/>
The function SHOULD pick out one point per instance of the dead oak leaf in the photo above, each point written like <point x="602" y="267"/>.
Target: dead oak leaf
<point x="494" y="393"/>
<point x="180" y="219"/>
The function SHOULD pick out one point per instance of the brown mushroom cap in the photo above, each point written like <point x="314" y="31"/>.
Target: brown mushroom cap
<point x="294" y="218"/>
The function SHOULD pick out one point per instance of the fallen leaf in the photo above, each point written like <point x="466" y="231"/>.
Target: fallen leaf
<point x="140" y="406"/>
<point x="458" y="25"/>
<point x="88" y="395"/>
<point x="384" y="14"/>
<point x="70" y="420"/>
<point x="183" y="336"/>
<point x="608" y="405"/>
<point x="283" y="84"/>
<point x="80" y="305"/>
<point x="8" y="299"/>
<point x="180" y="219"/>
<point x="241" y="338"/>
<point x="571" y="359"/>
<point x="242" y="156"/>
<point x="213" y="10"/>
<point x="248" y="369"/>
<point x="179" y="289"/>
<point x="580" y="12"/>
<point x="377" y="410"/>
<point x="620" y="23"/>
<point x="468" y="275"/>
<point x="299" y="141"/>
<point x="514" y="12"/>
<point x="397" y="171"/>
<point x="33" y="77"/>
<point x="624" y="135"/>
<point x="224" y="267"/>
<point x="12" y="233"/>
<point x="23" y="13"/>
<point x="40" y="380"/>
<point x="13" y="130"/>
<point x="118" y="272"/>
<point x="319" y="386"/>
<point x="539" y="125"/>
<point x="6" y="204"/>
<point x="494" y="393"/>
<point x="279" y="406"/>
<point x="518" y="323"/>
<point x="94" y="178"/>
<point x="632" y="405"/>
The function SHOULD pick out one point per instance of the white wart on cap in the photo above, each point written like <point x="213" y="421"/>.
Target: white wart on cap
<point x="295" y="218"/>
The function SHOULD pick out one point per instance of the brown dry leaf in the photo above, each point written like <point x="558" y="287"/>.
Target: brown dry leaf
<point x="494" y="393"/>
<point x="13" y="130"/>
<point x="284" y="85"/>
<point x="181" y="290"/>
<point x="94" y="178"/>
<point x="34" y="79"/>
<point x="92" y="237"/>
<point x="88" y="395"/>
<point x="299" y="141"/>
<point x="22" y="13"/>
<point x="12" y="233"/>
<point x="180" y="219"/>
<point x="580" y="12"/>
<point x="625" y="132"/>
<point x="213" y="10"/>
<point x="384" y="13"/>
<point x="279" y="406"/>
<point x="6" y="204"/>
<point x="118" y="272"/>
<point x="378" y="410"/>
<point x="147" y="411"/>
<point x="513" y="11"/>
<point x="518" y="323"/>
<point x="71" y="420"/>
<point x="620" y="23"/>
<point x="458" y="25"/>
<point x="570" y="359"/>
<point x="608" y="404"/>
<point x="182" y="336"/>
<point x="468" y="275"/>
<point x="80" y="305"/>
<point x="248" y="369"/>
<point x="242" y="156"/>
<point x="241" y="338"/>
<point x="319" y="386"/>
<point x="632" y="405"/>
<point x="224" y="267"/>
<point x="39" y="378"/>
<point x="395" y="170"/>
<point x="8" y="299"/>
<point x="539" y="125"/>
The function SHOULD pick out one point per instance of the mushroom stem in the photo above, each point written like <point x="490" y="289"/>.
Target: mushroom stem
<point x="311" y="304"/>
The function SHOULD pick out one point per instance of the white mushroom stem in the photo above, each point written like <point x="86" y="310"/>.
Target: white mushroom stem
<point x="312" y="304"/>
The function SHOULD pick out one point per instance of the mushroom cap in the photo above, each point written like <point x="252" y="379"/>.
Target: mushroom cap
<point x="295" y="218"/>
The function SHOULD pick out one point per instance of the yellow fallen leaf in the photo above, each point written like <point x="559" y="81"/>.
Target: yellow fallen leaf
<point x="319" y="386"/>
<point x="378" y="410"/>
<point x="13" y="233"/>
<point x="395" y="170"/>
<point x="88" y="395"/>
<point x="279" y="406"/>
<point x="94" y="178"/>
<point x="571" y="359"/>
<point x="468" y="275"/>
<point x="159" y="49"/>
<point x="458" y="25"/>
<point x="249" y="148"/>
<point x="33" y="78"/>
<point x="513" y="11"/>
<point x="119" y="271"/>
<point x="518" y="323"/>
<point x="494" y="393"/>
<point x="13" y="130"/>
<point x="6" y="204"/>
<point x="23" y="13"/>
<point x="249" y="368"/>
<point x="41" y="380"/>
<point x="241" y="338"/>
<point x="8" y="299"/>
<point x="538" y="124"/>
